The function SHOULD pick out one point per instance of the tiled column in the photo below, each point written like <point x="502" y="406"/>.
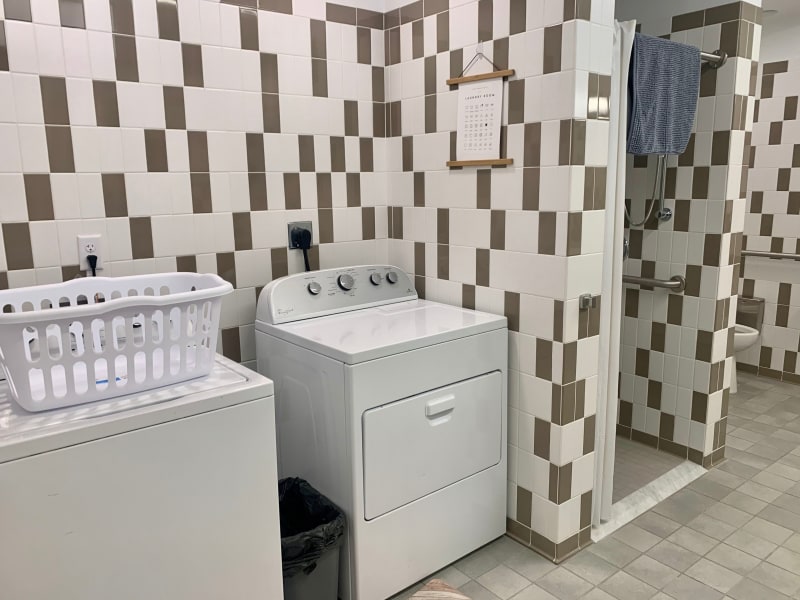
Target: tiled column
<point x="524" y="241"/>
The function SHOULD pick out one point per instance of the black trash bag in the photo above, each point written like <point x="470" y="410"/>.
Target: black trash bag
<point x="310" y="525"/>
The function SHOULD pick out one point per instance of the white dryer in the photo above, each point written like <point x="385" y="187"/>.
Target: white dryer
<point x="394" y="408"/>
<point x="170" y="493"/>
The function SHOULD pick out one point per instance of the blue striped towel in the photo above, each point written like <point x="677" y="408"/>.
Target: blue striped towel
<point x="663" y="84"/>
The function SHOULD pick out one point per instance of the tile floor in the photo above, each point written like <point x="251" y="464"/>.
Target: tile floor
<point x="636" y="465"/>
<point x="733" y="533"/>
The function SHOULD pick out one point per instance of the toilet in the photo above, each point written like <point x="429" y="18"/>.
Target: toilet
<point x="749" y="319"/>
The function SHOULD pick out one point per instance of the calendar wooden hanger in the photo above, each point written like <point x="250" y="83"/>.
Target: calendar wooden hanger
<point x="491" y="75"/>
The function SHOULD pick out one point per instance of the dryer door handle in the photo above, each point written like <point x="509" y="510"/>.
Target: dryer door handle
<point x="434" y="408"/>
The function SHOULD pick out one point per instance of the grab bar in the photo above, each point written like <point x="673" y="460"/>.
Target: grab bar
<point x="676" y="283"/>
<point x="763" y="254"/>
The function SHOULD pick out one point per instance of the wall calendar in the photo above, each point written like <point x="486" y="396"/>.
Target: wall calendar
<point x="480" y="108"/>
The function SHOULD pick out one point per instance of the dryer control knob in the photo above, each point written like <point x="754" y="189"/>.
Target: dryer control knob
<point x="346" y="282"/>
<point x="314" y="288"/>
<point x="375" y="279"/>
<point x="391" y="277"/>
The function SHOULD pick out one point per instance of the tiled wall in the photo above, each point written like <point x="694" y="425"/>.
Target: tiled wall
<point x="677" y="348"/>
<point x="188" y="134"/>
<point x="773" y="222"/>
<point x="523" y="240"/>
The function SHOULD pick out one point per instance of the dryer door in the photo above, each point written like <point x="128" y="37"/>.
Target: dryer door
<point x="416" y="446"/>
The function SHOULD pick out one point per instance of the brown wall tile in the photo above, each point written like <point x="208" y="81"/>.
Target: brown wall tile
<point x="17" y="10"/>
<point x="122" y="16"/>
<point x="168" y="26"/>
<point x="552" y="49"/>
<point x="248" y="28"/>
<point x="242" y="231"/>
<point x="3" y="48"/>
<point x="174" y="108"/>
<point x="54" y="100"/>
<point x="141" y="237"/>
<point x="271" y="109"/>
<point x="291" y="190"/>
<point x="155" y="144"/>
<point x="105" y="103"/>
<point x="353" y="189"/>
<point x="59" y="149"/>
<point x="17" y="242"/>
<point x="340" y="14"/>
<point x="125" y="58"/>
<point x="115" y="197"/>
<point x="71" y="13"/>
<point x="192" y="65"/>
<point x="198" y="151"/>
<point x="368" y="222"/>
<point x="201" y="192"/>
<point x="38" y="197"/>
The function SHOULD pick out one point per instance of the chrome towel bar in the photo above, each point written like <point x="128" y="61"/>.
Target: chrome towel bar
<point x="676" y="283"/>
<point x="764" y="254"/>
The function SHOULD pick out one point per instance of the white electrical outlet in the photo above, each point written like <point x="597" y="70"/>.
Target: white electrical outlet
<point x="90" y="244"/>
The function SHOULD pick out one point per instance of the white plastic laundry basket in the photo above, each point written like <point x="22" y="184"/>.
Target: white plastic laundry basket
<point x="98" y="337"/>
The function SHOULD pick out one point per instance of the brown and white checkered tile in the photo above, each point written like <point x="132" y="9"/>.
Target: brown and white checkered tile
<point x="473" y="237"/>
<point x="189" y="134"/>
<point x="772" y="222"/>
<point x="676" y="364"/>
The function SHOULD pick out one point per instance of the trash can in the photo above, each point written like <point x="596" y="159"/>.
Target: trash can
<point x="311" y="534"/>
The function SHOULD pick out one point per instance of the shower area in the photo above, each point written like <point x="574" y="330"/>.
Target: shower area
<point x="680" y="271"/>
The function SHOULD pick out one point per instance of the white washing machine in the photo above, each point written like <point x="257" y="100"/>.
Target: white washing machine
<point x="168" y="494"/>
<point x="394" y="408"/>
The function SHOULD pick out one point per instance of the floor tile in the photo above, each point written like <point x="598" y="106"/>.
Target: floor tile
<point x="711" y="527"/>
<point x="590" y="567"/>
<point x="614" y="551"/>
<point x="744" y="502"/>
<point x="652" y="571"/>
<point x="697" y="542"/>
<point x="758" y="547"/>
<point x="673" y="555"/>
<point x="563" y="584"/>
<point x="598" y="594"/>
<point x="776" y="578"/>
<point x="452" y="576"/>
<point x="747" y="589"/>
<point x="768" y="531"/>
<point x="534" y="592"/>
<point x="657" y="524"/>
<point x="733" y="559"/>
<point x="713" y="575"/>
<point x="793" y="543"/>
<point x="756" y="490"/>
<point x="686" y="588"/>
<point x="785" y="559"/>
<point x="636" y="537"/>
<point x="781" y="517"/>
<point x="622" y="585"/>
<point x="529" y="564"/>
<point x="728" y="514"/>
<point x="683" y="506"/>
<point x="504" y="548"/>
<point x="476" y="591"/>
<point x="776" y="482"/>
<point x="476" y="564"/>
<point x="503" y="582"/>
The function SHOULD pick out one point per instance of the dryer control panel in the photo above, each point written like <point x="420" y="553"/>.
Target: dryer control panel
<point x="330" y="291"/>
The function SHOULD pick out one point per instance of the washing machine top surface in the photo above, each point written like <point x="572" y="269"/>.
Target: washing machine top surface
<point x="24" y="433"/>
<point x="357" y="314"/>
